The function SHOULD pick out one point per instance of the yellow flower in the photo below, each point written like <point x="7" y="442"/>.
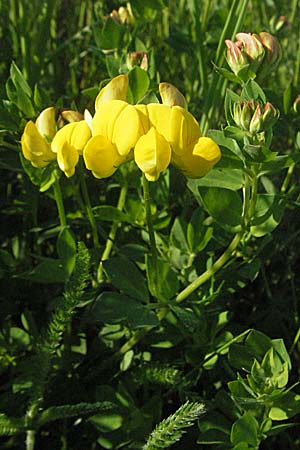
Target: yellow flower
<point x="68" y="143"/>
<point x="116" y="89"/>
<point x="35" y="140"/>
<point x="198" y="159"/>
<point x="152" y="154"/>
<point x="102" y="157"/>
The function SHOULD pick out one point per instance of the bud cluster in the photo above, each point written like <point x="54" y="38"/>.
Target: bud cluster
<point x="253" y="117"/>
<point x="253" y="55"/>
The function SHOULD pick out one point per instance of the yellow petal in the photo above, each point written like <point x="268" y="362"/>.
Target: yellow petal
<point x="144" y="117"/>
<point x="105" y="118"/>
<point x="184" y="130"/>
<point x="35" y="148"/>
<point x="63" y="135"/>
<point x="160" y="118"/>
<point x="127" y="130"/>
<point x="67" y="158"/>
<point x="116" y="89"/>
<point x="170" y="95"/>
<point x="102" y="157"/>
<point x="199" y="159"/>
<point x="152" y="154"/>
<point x="80" y="135"/>
<point x="46" y="123"/>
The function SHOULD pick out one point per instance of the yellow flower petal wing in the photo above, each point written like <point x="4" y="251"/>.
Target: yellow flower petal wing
<point x="67" y="158"/>
<point x="184" y="129"/>
<point x="80" y="135"/>
<point x="105" y="118"/>
<point x="160" y="118"/>
<point x="127" y="130"/>
<point x="63" y="135"/>
<point x="101" y="157"/>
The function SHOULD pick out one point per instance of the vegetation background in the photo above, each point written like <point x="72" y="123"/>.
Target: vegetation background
<point x="87" y="365"/>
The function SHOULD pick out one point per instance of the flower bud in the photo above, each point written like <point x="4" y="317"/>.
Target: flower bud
<point x="272" y="53"/>
<point x="245" y="55"/>
<point x="270" y="116"/>
<point x="296" y="105"/>
<point x="243" y="113"/>
<point x="255" y="125"/>
<point x="139" y="59"/>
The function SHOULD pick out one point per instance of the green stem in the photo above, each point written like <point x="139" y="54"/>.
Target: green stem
<point x="150" y="231"/>
<point x="221" y="261"/>
<point x="112" y="234"/>
<point x="287" y="179"/>
<point x="30" y="439"/>
<point x="295" y="341"/>
<point x="88" y="205"/>
<point x="59" y="204"/>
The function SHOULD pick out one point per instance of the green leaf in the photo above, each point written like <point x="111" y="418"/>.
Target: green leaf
<point x="138" y="83"/>
<point x="18" y="79"/>
<point x="252" y="91"/>
<point x="111" y="307"/>
<point x="9" y="426"/>
<point x="110" y="213"/>
<point x="224" y="141"/>
<point x="268" y="214"/>
<point x="285" y="406"/>
<point x="244" y="430"/>
<point x="48" y="271"/>
<point x="110" y="36"/>
<point x="66" y="249"/>
<point x="44" y="177"/>
<point x="167" y="284"/>
<point x="259" y="343"/>
<point x="125" y="275"/>
<point x="224" y="205"/>
<point x="232" y="179"/>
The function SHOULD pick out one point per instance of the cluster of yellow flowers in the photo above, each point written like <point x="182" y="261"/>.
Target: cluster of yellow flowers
<point x="155" y="135"/>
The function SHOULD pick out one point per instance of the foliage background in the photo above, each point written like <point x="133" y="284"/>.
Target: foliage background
<point x="58" y="46"/>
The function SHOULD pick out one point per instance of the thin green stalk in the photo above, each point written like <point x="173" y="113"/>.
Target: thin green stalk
<point x="112" y="234"/>
<point x="153" y="248"/>
<point x="59" y="203"/>
<point x="87" y="202"/>
<point x="297" y="66"/>
<point x="204" y="277"/>
<point x="287" y="178"/>
<point x="293" y="11"/>
<point x="30" y="439"/>
<point x="295" y="341"/>
<point x="199" y="45"/>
